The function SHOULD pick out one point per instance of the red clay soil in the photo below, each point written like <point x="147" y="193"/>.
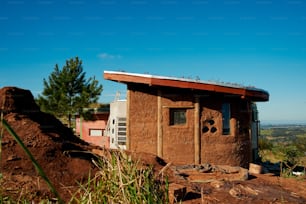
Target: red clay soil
<point x="63" y="157"/>
<point x="261" y="188"/>
<point x="48" y="140"/>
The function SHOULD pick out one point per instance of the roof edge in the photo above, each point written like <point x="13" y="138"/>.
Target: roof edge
<point x="261" y="93"/>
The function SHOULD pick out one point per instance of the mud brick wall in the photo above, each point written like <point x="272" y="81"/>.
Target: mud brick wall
<point x="178" y="144"/>
<point x="233" y="149"/>
<point x="178" y="140"/>
<point x="142" y="119"/>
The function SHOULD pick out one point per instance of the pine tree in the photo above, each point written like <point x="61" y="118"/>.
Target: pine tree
<point x="67" y="91"/>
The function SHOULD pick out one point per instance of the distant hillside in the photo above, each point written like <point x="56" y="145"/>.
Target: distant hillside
<point x="283" y="133"/>
<point x="282" y="122"/>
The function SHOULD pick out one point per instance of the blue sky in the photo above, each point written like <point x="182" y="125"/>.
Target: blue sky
<point x="253" y="42"/>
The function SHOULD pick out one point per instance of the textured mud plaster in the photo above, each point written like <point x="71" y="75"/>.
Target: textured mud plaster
<point x="142" y="119"/>
<point x="218" y="148"/>
<point x="177" y="141"/>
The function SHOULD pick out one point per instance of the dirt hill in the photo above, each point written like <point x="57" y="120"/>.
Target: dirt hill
<point x="47" y="139"/>
<point x="63" y="157"/>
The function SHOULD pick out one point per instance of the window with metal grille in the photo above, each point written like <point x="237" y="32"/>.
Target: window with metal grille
<point x="121" y="130"/>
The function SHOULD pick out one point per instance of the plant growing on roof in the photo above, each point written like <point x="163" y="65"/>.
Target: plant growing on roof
<point x="67" y="91"/>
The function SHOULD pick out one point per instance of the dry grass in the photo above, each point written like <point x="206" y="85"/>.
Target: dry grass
<point x="122" y="180"/>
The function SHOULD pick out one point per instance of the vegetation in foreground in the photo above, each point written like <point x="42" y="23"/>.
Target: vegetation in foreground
<point x="285" y="144"/>
<point x="122" y="180"/>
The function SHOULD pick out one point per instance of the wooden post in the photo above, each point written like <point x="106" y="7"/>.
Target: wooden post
<point x="197" y="141"/>
<point x="233" y="127"/>
<point x="159" y="125"/>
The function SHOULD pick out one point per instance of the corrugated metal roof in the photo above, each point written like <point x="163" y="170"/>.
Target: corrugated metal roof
<point x="248" y="91"/>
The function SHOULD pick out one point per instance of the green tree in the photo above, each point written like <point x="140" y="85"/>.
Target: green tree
<point x="289" y="158"/>
<point x="264" y="144"/>
<point x="67" y="91"/>
<point x="300" y="143"/>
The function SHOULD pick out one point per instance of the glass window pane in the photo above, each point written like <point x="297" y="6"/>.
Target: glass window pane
<point x="226" y="116"/>
<point x="95" y="132"/>
<point x="177" y="116"/>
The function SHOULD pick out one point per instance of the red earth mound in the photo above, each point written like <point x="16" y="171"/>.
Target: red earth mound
<point x="49" y="141"/>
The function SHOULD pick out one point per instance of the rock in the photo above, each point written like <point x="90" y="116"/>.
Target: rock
<point x="243" y="174"/>
<point x="235" y="192"/>
<point x="204" y="168"/>
<point x="176" y="192"/>
<point x="240" y="191"/>
<point x="229" y="169"/>
<point x="239" y="173"/>
<point x="13" y="158"/>
<point x="255" y="168"/>
<point x="217" y="184"/>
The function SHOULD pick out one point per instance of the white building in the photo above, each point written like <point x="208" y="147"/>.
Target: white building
<point x="116" y="125"/>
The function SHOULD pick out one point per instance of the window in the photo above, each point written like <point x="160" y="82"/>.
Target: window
<point x="177" y="116"/>
<point x="254" y="113"/>
<point x="226" y="116"/>
<point x="95" y="132"/>
<point x="121" y="131"/>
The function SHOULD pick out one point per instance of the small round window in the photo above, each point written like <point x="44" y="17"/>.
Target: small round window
<point x="211" y="122"/>
<point x="213" y="130"/>
<point x="205" y="129"/>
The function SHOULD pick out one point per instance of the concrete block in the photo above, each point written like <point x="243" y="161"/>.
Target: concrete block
<point x="255" y="168"/>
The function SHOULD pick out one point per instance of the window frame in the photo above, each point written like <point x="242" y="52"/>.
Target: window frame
<point x="226" y="117"/>
<point x="177" y="116"/>
<point x="95" y="129"/>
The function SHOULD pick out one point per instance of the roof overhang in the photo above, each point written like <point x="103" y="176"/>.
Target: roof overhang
<point x="251" y="93"/>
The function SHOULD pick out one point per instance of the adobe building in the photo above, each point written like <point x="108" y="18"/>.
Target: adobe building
<point x="92" y="130"/>
<point x="190" y="121"/>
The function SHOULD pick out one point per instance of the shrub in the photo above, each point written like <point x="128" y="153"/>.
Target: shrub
<point x="265" y="144"/>
<point x="289" y="157"/>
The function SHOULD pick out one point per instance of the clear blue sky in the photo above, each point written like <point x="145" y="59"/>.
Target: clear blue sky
<point x="253" y="42"/>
